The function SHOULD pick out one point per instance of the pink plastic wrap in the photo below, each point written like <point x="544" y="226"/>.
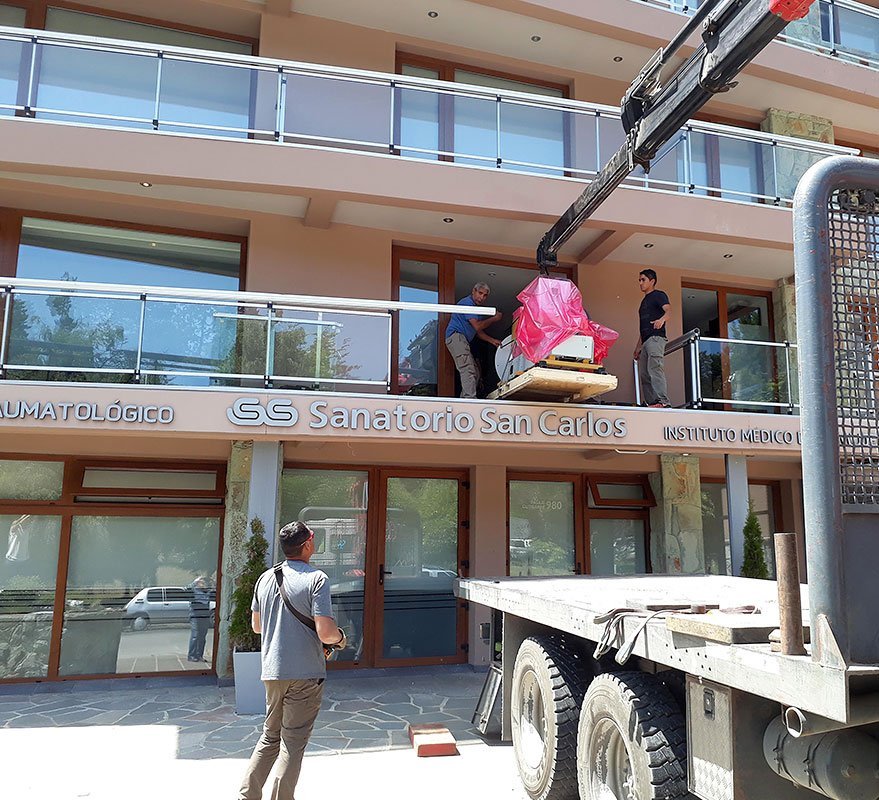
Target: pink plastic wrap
<point x="551" y="311"/>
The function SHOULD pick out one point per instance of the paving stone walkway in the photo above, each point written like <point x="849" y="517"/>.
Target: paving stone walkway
<point x="359" y="713"/>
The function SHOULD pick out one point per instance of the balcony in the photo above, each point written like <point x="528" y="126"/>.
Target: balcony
<point x="734" y="374"/>
<point x="75" y="332"/>
<point x="838" y="28"/>
<point x="105" y="83"/>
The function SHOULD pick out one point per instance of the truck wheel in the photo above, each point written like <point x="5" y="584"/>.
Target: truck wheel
<point x="632" y="740"/>
<point x="549" y="680"/>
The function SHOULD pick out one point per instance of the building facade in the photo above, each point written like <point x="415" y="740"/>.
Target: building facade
<point x="230" y="236"/>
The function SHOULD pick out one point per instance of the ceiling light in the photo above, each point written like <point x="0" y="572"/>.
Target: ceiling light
<point x="648" y="245"/>
<point x="536" y="38"/>
<point x="618" y="59"/>
<point x="727" y="255"/>
<point x="448" y="220"/>
<point x="433" y="14"/>
<point x="685" y="455"/>
<point x="630" y="452"/>
<point x="152" y="244"/>
<point x="492" y="274"/>
<point x="691" y="297"/>
<point x="145" y="184"/>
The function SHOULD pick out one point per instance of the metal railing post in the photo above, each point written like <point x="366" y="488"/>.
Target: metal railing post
<point x="833" y="28"/>
<point x="498" y="132"/>
<point x="267" y="373"/>
<point x="29" y="100"/>
<point x="775" y="180"/>
<point x="697" y="370"/>
<point x="695" y="399"/>
<point x="158" y="98"/>
<point x="7" y="308"/>
<point x="280" y="104"/>
<point x="637" y="382"/>
<point x="137" y="363"/>
<point x="318" y="345"/>
<point x="691" y="187"/>
<point x="393" y="120"/>
<point x="597" y="141"/>
<point x="788" y="373"/>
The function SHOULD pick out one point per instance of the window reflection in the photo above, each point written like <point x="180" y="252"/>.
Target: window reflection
<point x="28" y="566"/>
<point x="141" y="594"/>
<point x="541" y="528"/>
<point x="617" y="546"/>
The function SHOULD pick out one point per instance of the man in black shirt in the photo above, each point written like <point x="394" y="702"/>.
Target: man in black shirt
<point x="650" y="350"/>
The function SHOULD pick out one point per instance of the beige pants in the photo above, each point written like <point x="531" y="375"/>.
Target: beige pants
<point x="291" y="708"/>
<point x="651" y="370"/>
<point x="468" y="367"/>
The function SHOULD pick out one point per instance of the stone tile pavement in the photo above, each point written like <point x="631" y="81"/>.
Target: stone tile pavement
<point x="180" y="737"/>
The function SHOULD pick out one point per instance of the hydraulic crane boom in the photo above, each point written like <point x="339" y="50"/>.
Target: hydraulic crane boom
<point x="653" y="110"/>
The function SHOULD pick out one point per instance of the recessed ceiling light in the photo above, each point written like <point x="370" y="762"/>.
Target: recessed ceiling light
<point x="691" y="297"/>
<point x="152" y="244"/>
<point x="618" y="59"/>
<point x="727" y="255"/>
<point x="536" y="38"/>
<point x="648" y="245"/>
<point x="447" y="220"/>
<point x="433" y="14"/>
<point x="145" y="184"/>
<point x="492" y="274"/>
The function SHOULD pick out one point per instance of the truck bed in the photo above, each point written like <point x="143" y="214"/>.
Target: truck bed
<point x="728" y="648"/>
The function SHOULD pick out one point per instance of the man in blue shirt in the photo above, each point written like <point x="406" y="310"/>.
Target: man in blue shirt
<point x="461" y="331"/>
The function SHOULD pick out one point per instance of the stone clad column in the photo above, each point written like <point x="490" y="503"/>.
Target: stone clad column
<point x="676" y="543"/>
<point x="236" y="529"/>
<point x="788" y="164"/>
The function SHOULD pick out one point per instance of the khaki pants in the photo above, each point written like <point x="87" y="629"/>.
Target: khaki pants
<point x="651" y="370"/>
<point x="291" y="709"/>
<point x="468" y="367"/>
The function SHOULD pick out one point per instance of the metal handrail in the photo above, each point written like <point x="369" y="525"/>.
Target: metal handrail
<point x="274" y="127"/>
<point x="690" y="340"/>
<point x="832" y="48"/>
<point x="133" y="362"/>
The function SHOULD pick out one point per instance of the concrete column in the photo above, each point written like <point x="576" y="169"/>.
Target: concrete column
<point x="737" y="507"/>
<point x="488" y="544"/>
<point x="235" y="532"/>
<point x="677" y="547"/>
<point x="263" y="494"/>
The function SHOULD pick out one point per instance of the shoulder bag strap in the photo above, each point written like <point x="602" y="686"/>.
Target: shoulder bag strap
<point x="279" y="579"/>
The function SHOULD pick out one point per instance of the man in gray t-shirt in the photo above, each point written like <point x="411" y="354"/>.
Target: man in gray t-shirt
<point x="293" y="663"/>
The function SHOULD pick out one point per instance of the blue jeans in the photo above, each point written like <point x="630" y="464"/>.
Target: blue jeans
<point x="198" y="632"/>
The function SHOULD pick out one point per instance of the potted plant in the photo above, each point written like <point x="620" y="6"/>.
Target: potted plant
<point x="754" y="561"/>
<point x="250" y="697"/>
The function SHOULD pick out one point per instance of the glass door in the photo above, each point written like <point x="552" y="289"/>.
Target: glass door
<point x="618" y="544"/>
<point x="421" y="552"/>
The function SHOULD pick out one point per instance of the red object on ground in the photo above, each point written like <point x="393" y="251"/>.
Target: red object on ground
<point x="432" y="739"/>
<point x="552" y="310"/>
<point x="789" y="10"/>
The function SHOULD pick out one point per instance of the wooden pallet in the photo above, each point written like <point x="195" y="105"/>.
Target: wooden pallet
<point x="542" y="383"/>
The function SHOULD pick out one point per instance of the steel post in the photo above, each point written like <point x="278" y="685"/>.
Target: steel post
<point x="790" y="607"/>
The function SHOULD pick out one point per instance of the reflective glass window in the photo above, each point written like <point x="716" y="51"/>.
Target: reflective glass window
<point x="28" y="566"/>
<point x="541" y="528"/>
<point x="617" y="546"/>
<point x="417" y="353"/>
<point x="11" y="53"/>
<point x="117" y="618"/>
<point x="333" y="503"/>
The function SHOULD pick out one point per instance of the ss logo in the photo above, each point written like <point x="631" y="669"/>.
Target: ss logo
<point x="249" y="411"/>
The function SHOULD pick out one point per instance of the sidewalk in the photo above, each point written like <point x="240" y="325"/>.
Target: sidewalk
<point x="183" y="738"/>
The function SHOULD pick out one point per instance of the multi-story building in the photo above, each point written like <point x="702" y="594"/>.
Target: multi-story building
<point x="267" y="209"/>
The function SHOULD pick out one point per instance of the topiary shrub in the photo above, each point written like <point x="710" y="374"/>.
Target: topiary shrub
<point x="754" y="561"/>
<point x="241" y="634"/>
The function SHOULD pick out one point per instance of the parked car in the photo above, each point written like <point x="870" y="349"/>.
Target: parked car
<point x="156" y="604"/>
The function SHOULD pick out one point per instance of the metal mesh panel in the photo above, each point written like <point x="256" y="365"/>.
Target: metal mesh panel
<point x="854" y="253"/>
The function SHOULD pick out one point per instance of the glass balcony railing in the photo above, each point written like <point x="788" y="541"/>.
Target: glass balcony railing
<point x="734" y="374"/>
<point x="70" y="331"/>
<point x="839" y="28"/>
<point x="107" y="83"/>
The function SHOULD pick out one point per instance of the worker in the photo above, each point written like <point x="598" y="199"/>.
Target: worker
<point x="650" y="350"/>
<point x="461" y="331"/>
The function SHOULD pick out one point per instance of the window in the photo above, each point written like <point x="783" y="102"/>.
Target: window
<point x="541" y="527"/>
<point x="155" y="596"/>
<point x="715" y="524"/>
<point x="435" y="125"/>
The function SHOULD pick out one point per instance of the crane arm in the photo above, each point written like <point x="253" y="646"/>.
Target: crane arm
<point x="653" y="110"/>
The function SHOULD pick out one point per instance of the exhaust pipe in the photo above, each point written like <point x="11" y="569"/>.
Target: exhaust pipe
<point x="840" y="764"/>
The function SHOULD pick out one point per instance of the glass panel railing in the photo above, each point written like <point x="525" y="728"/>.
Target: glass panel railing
<point x="107" y="83"/>
<point x="70" y="331"/>
<point x="839" y="28"/>
<point x="728" y="374"/>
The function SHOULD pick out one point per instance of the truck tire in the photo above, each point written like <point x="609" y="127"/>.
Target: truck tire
<point x="631" y="741"/>
<point x="549" y="680"/>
